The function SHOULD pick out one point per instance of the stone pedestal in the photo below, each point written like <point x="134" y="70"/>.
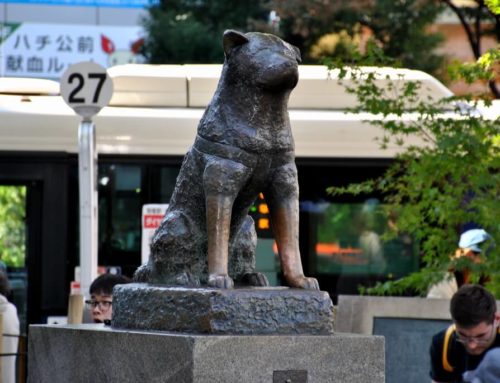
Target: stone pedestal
<point x="96" y="353"/>
<point x="245" y="311"/>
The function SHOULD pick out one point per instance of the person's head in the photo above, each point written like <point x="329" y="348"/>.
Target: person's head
<point x="474" y="312"/>
<point x="101" y="296"/>
<point x="4" y="284"/>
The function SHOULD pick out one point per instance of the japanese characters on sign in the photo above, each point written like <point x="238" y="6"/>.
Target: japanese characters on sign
<point x="47" y="50"/>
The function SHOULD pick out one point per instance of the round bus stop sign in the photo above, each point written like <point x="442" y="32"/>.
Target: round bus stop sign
<point x="86" y="87"/>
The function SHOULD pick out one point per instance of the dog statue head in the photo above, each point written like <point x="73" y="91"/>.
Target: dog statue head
<point x="261" y="58"/>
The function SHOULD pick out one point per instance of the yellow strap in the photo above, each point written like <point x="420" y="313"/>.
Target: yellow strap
<point x="446" y="365"/>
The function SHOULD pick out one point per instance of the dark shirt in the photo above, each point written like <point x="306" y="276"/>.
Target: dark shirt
<point x="458" y="358"/>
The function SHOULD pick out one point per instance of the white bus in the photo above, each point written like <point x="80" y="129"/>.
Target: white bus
<point x="142" y="137"/>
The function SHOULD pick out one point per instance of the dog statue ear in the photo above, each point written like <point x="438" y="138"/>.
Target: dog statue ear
<point x="297" y="52"/>
<point x="232" y="39"/>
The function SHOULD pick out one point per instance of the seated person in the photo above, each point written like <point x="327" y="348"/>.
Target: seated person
<point x="462" y="346"/>
<point x="101" y="296"/>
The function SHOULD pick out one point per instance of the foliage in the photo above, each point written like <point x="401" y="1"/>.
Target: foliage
<point x="487" y="64"/>
<point x="479" y="20"/>
<point x="494" y="6"/>
<point x="341" y="45"/>
<point x="304" y="22"/>
<point x="399" y="27"/>
<point x="12" y="227"/>
<point x="483" y="69"/>
<point x="452" y="178"/>
<point x="190" y="31"/>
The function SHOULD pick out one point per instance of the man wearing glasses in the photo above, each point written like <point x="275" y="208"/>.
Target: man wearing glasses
<point x="462" y="346"/>
<point x="101" y="296"/>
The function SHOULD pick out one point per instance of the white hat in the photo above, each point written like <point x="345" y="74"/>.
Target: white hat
<point x="471" y="239"/>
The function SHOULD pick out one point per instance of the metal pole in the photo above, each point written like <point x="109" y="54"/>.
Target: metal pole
<point x="87" y="166"/>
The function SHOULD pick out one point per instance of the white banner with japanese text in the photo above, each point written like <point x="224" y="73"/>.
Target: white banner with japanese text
<point x="46" y="50"/>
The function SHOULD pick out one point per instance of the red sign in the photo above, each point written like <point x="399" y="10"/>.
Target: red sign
<point x="152" y="221"/>
<point x="75" y="288"/>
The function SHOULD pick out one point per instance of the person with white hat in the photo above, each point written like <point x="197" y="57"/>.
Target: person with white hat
<point x="469" y="245"/>
<point x="472" y="239"/>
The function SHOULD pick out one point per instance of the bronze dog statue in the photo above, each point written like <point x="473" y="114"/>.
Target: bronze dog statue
<point x="244" y="146"/>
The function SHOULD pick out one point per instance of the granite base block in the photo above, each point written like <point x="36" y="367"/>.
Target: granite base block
<point x="95" y="353"/>
<point x="244" y="311"/>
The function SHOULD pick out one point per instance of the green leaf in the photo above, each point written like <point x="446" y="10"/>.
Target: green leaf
<point x="438" y="187"/>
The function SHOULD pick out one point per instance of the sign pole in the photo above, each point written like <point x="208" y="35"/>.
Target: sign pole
<point x="87" y="88"/>
<point x="87" y="177"/>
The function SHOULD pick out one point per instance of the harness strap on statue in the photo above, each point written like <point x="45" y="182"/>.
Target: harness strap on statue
<point x="242" y="156"/>
<point x="446" y="364"/>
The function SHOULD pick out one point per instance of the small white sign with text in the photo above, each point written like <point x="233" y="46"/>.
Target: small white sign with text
<point x="152" y="215"/>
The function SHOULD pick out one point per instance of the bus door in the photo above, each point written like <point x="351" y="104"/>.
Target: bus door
<point x="40" y="245"/>
<point x="13" y="239"/>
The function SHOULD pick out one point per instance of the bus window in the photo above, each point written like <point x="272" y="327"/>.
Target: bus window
<point x="349" y="241"/>
<point x="120" y="206"/>
<point x="123" y="190"/>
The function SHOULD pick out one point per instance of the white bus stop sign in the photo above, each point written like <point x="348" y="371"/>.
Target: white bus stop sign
<point x="86" y="87"/>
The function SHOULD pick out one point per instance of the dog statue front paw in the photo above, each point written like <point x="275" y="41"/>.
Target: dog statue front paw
<point x="302" y="282"/>
<point x="220" y="281"/>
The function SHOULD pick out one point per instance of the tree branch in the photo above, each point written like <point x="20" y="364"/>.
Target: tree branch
<point x="477" y="28"/>
<point x="467" y="28"/>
